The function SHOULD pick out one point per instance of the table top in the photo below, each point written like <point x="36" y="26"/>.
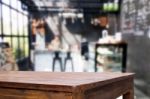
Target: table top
<point x="59" y="81"/>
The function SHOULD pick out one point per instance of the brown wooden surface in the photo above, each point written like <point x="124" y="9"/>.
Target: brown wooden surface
<point x="111" y="91"/>
<point x="6" y="93"/>
<point x="46" y="85"/>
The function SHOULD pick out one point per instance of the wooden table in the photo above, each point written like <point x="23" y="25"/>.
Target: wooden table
<point x="45" y="85"/>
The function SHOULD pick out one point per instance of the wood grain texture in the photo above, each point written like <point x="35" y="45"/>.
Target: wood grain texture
<point x="110" y="91"/>
<point x="32" y="94"/>
<point x="46" y="85"/>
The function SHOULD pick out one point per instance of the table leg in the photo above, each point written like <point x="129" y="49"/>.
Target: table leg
<point x="129" y="95"/>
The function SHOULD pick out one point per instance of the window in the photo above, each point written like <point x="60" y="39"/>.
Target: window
<point x="0" y="20"/>
<point x="14" y="21"/>
<point x="6" y="20"/>
<point x="26" y="47"/>
<point x="25" y="12"/>
<point x="22" y="46"/>
<point x="16" y="48"/>
<point x="20" y="23"/>
<point x="0" y="27"/>
<point x="14" y="3"/>
<point x="8" y="40"/>
<point x="6" y="1"/>
<point x="19" y="6"/>
<point x="25" y="25"/>
<point x="14" y="27"/>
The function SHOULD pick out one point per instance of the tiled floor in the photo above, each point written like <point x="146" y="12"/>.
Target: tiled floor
<point x="140" y="95"/>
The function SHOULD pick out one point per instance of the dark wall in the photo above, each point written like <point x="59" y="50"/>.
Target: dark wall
<point x="135" y="28"/>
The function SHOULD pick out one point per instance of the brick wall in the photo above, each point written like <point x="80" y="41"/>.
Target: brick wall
<point x="135" y="20"/>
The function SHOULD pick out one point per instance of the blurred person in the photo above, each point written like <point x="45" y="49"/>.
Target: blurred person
<point x="85" y="54"/>
<point x="55" y="43"/>
<point x="40" y="36"/>
<point x="85" y="49"/>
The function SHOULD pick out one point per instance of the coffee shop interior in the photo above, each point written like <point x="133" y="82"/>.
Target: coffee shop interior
<point x="77" y="36"/>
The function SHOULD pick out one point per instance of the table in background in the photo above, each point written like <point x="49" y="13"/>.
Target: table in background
<point x="46" y="85"/>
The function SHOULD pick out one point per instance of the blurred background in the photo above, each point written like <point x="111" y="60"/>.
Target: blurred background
<point x="77" y="36"/>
